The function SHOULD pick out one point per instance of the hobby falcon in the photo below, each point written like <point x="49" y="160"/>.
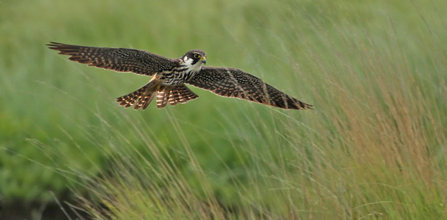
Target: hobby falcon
<point x="171" y="75"/>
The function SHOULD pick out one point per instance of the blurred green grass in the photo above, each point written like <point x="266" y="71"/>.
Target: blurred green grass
<point x="59" y="120"/>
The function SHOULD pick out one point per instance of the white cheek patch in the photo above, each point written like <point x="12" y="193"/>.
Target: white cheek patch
<point x="187" y="60"/>
<point x="196" y="67"/>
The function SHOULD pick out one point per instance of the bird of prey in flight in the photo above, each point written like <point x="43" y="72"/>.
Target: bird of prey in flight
<point x="170" y="76"/>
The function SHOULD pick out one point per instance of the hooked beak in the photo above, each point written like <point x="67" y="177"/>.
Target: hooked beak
<point x="204" y="60"/>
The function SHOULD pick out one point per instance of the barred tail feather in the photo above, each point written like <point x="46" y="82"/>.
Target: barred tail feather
<point x="139" y="98"/>
<point x="181" y="94"/>
<point x="144" y="101"/>
<point x="162" y="97"/>
<point x="142" y="97"/>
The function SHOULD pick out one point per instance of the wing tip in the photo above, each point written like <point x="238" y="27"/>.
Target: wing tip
<point x="55" y="45"/>
<point x="51" y="45"/>
<point x="299" y="105"/>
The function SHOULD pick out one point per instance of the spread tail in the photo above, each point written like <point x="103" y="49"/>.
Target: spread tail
<point x="139" y="98"/>
<point x="144" y="95"/>
<point x="180" y="95"/>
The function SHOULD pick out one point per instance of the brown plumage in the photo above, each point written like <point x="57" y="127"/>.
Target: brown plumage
<point x="118" y="59"/>
<point x="170" y="76"/>
<point x="231" y="82"/>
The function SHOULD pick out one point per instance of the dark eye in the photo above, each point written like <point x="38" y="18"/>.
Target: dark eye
<point x="197" y="56"/>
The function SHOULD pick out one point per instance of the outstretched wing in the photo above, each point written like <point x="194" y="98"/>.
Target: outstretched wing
<point x="230" y="82"/>
<point x="118" y="59"/>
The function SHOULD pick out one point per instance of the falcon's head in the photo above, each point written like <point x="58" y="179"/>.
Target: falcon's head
<point x="195" y="59"/>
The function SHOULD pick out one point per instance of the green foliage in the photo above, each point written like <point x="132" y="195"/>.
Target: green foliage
<point x="373" y="148"/>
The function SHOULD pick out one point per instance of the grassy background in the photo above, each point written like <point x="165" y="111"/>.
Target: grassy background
<point x="374" y="148"/>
